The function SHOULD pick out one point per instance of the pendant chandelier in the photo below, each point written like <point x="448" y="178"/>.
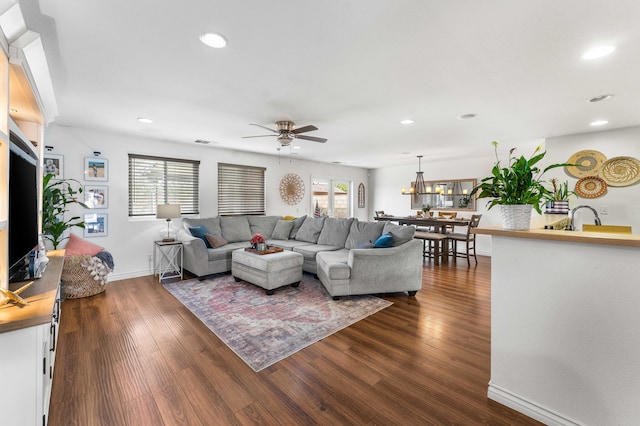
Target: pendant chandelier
<point x="419" y="187"/>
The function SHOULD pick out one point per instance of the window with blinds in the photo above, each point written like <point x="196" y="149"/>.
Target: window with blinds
<point x="159" y="180"/>
<point x="241" y="190"/>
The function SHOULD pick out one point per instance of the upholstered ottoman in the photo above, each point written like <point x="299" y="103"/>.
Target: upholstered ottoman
<point x="268" y="271"/>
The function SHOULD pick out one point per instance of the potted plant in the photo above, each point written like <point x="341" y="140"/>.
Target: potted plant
<point x="516" y="188"/>
<point x="558" y="198"/>
<point x="56" y="196"/>
<point x="426" y="209"/>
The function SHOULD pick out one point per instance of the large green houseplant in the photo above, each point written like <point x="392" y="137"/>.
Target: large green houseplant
<point x="519" y="182"/>
<point x="57" y="195"/>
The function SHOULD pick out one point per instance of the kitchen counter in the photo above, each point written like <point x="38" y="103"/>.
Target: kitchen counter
<point x="629" y="240"/>
<point x="564" y="325"/>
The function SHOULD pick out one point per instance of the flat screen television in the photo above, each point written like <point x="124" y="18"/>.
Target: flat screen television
<point x="23" y="207"/>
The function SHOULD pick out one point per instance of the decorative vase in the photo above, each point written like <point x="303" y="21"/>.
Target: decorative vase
<point x="516" y="217"/>
<point x="261" y="246"/>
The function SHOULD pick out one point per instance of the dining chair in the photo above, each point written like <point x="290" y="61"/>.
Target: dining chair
<point x="448" y="215"/>
<point x="468" y="238"/>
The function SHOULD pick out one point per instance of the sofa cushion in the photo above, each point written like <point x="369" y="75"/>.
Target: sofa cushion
<point x="385" y="240"/>
<point x="262" y="225"/>
<point x="361" y="232"/>
<point x="297" y="223"/>
<point x="200" y="232"/>
<point x="235" y="228"/>
<point x="282" y="230"/>
<point x="310" y="229"/>
<point x="335" y="231"/>
<point x="215" y="241"/>
<point x="211" y="223"/>
<point x="334" y="264"/>
<point x="401" y="234"/>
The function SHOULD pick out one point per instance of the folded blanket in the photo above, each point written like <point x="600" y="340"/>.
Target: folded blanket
<point x="106" y="257"/>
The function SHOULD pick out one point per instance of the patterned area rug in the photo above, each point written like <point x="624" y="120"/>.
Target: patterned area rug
<point x="263" y="329"/>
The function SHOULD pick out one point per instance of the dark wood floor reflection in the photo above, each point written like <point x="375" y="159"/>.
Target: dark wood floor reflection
<point x="135" y="356"/>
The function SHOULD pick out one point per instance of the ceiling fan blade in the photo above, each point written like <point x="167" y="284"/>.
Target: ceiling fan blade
<point x="258" y="136"/>
<point x="260" y="125"/>
<point x="311" y="138"/>
<point x="303" y="129"/>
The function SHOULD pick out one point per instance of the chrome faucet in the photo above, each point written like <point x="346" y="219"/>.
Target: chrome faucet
<point x="571" y="216"/>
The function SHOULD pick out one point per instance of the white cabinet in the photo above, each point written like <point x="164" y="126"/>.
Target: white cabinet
<point x="28" y="343"/>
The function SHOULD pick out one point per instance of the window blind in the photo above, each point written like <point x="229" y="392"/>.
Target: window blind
<point x="160" y="180"/>
<point x="241" y="190"/>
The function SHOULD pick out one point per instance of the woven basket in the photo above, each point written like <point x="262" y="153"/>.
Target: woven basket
<point x="76" y="280"/>
<point x="516" y="217"/>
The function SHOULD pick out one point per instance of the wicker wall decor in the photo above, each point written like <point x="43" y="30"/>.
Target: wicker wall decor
<point x="291" y="189"/>
<point x="620" y="171"/>
<point x="591" y="187"/>
<point x="587" y="163"/>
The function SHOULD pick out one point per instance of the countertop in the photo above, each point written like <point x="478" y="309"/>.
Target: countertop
<point x="603" y="238"/>
<point x="41" y="297"/>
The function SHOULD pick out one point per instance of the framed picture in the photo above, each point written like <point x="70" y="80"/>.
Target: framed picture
<point x="96" y="196"/>
<point x="95" y="225"/>
<point x="53" y="164"/>
<point x="96" y="169"/>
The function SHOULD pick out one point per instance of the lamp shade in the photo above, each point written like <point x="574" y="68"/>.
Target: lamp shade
<point x="168" y="211"/>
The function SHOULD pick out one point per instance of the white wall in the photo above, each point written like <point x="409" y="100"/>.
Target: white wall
<point x="386" y="184"/>
<point x="131" y="241"/>
<point x="622" y="202"/>
<point x="387" y="181"/>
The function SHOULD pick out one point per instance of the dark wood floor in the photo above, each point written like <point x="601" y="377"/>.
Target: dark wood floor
<point x="135" y="356"/>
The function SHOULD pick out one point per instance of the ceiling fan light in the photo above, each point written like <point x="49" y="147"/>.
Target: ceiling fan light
<point x="214" y="40"/>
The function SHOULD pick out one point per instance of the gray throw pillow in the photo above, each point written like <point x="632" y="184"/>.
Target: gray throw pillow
<point x="401" y="234"/>
<point x="335" y="231"/>
<point x="310" y="229"/>
<point x="362" y="232"/>
<point x="262" y="225"/>
<point x="297" y="223"/>
<point x="235" y="228"/>
<point x="282" y="230"/>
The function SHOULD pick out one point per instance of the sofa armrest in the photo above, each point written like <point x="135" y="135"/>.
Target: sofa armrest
<point x="402" y="262"/>
<point x="196" y="257"/>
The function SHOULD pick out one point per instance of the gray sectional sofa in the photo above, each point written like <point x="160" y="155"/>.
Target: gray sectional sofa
<point x="338" y="251"/>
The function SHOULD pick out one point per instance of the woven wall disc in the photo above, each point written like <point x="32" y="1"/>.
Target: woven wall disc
<point x="587" y="163"/>
<point x="591" y="187"/>
<point x="291" y="189"/>
<point x="620" y="171"/>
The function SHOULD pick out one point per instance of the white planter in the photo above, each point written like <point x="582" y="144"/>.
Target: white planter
<point x="516" y="217"/>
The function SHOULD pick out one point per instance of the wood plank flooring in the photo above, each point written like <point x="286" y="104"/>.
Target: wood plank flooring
<point x="134" y="355"/>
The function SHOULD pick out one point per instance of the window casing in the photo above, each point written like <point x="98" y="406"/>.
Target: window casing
<point x="161" y="180"/>
<point x="241" y="190"/>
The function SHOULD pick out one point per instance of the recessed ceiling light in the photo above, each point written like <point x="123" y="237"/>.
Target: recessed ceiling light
<point x="599" y="123"/>
<point x="145" y="120"/>
<point x="214" y="40"/>
<point x="467" y="116"/>
<point x="598" y="52"/>
<point x="601" y="98"/>
<point x="407" y="121"/>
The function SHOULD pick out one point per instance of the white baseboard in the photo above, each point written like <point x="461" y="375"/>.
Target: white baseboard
<point x="135" y="274"/>
<point x="527" y="407"/>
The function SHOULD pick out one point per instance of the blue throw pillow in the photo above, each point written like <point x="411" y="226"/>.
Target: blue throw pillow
<point x="385" y="240"/>
<point x="200" y="232"/>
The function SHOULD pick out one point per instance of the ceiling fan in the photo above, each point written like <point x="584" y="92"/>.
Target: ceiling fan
<point x="286" y="133"/>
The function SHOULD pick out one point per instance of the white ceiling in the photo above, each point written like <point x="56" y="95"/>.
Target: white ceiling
<point x="353" y="68"/>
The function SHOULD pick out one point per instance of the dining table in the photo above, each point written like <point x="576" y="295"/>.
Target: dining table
<point x="438" y="224"/>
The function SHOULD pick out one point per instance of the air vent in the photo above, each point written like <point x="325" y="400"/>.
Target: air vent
<point x="202" y="141"/>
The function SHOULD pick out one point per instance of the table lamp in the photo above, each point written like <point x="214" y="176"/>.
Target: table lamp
<point x="168" y="211"/>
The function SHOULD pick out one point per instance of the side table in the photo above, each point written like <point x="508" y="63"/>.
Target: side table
<point x="167" y="259"/>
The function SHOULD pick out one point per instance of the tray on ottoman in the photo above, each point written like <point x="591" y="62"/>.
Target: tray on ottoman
<point x="269" y="250"/>
<point x="269" y="272"/>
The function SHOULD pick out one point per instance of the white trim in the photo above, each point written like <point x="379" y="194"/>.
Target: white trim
<point x="529" y="408"/>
